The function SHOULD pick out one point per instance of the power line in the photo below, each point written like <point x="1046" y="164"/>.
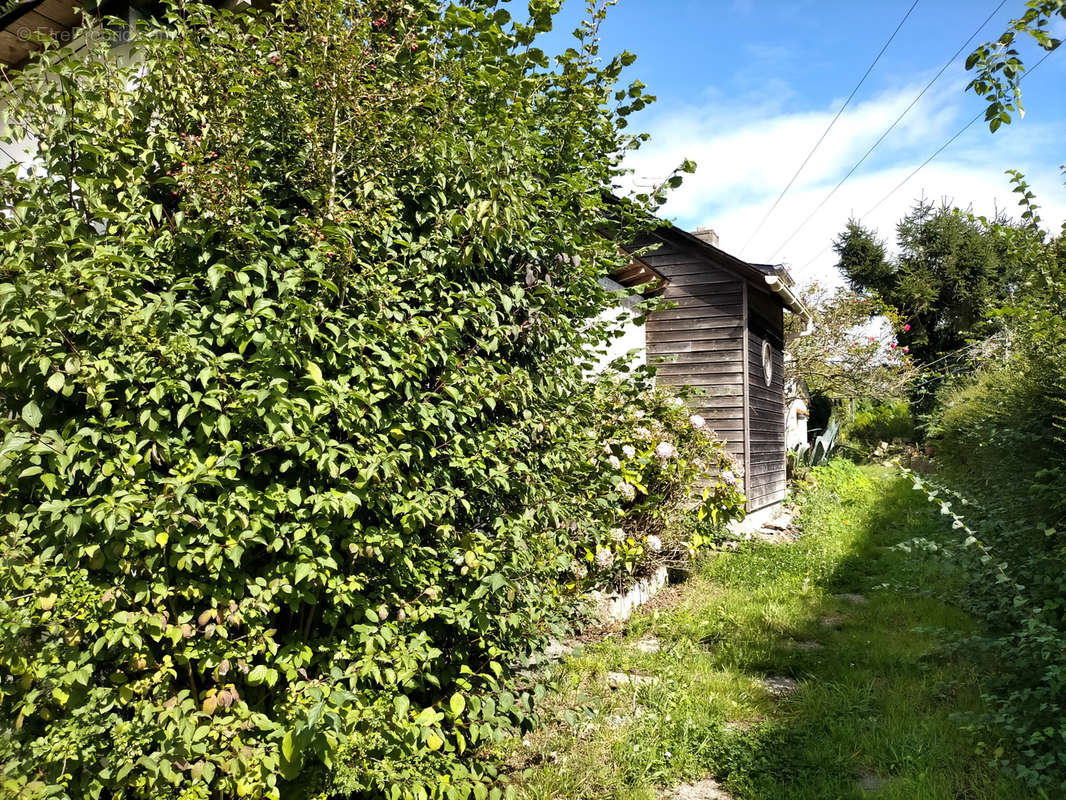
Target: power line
<point x="830" y="127"/>
<point x="889" y="130"/>
<point x="925" y="163"/>
<point x="949" y="142"/>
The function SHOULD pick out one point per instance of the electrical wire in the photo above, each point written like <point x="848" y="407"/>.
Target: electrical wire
<point x="948" y="143"/>
<point x="925" y="163"/>
<point x="829" y="128"/>
<point x="888" y="130"/>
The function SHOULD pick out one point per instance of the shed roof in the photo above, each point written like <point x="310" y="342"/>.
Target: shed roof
<point x="21" y="22"/>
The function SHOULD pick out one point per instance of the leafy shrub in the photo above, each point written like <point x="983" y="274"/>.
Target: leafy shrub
<point x="875" y="422"/>
<point x="297" y="450"/>
<point x="998" y="438"/>
<point x="656" y="453"/>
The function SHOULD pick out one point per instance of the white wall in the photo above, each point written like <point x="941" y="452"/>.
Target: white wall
<point x="796" y="423"/>
<point x="633" y="335"/>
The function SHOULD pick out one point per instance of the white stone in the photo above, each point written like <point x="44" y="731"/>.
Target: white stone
<point x="619" y="607"/>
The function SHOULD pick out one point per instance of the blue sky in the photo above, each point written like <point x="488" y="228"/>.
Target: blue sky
<point x="745" y="88"/>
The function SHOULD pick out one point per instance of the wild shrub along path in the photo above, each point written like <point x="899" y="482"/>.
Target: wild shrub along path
<point x="780" y="672"/>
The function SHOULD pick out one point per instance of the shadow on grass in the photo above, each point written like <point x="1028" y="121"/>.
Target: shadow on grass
<point x="788" y="672"/>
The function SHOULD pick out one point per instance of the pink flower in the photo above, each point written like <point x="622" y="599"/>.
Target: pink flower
<point x="893" y="345"/>
<point x="906" y="327"/>
<point x="906" y="349"/>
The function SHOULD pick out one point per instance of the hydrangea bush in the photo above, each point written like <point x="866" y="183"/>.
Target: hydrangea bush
<point x="677" y="485"/>
<point x="296" y="444"/>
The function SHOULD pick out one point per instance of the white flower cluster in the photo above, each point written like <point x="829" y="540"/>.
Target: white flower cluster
<point x="617" y="535"/>
<point x="604" y="558"/>
<point x="655" y="544"/>
<point x="627" y="490"/>
<point x="665" y="450"/>
<point x="696" y="421"/>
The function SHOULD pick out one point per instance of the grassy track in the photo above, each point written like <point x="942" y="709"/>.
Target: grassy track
<point x="858" y="702"/>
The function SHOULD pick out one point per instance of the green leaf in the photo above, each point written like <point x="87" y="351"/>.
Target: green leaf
<point x="457" y="704"/>
<point x="426" y="718"/>
<point x="56" y="381"/>
<point x="314" y="371"/>
<point x="31" y="414"/>
<point x="258" y="674"/>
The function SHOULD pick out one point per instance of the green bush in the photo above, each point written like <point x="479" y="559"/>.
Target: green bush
<point x="998" y="439"/>
<point x="298" y="458"/>
<point x="874" y="423"/>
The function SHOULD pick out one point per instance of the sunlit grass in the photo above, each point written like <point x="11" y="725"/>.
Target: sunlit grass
<point x="873" y="702"/>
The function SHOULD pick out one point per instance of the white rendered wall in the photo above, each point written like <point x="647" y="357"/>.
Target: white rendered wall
<point x="633" y="336"/>
<point x="796" y="424"/>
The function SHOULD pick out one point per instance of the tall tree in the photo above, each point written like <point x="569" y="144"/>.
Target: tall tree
<point x="950" y="273"/>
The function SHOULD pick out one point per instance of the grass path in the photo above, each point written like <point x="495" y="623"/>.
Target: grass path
<point x="783" y="672"/>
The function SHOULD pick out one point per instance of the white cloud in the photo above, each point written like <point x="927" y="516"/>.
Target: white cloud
<point x="745" y="159"/>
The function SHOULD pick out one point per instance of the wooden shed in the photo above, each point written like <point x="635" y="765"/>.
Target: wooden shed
<point x="724" y="335"/>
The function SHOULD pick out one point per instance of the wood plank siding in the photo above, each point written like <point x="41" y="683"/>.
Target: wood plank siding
<point x="722" y="312"/>
<point x="765" y="480"/>
<point x="700" y="343"/>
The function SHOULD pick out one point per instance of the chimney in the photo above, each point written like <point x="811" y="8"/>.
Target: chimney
<point x="706" y="234"/>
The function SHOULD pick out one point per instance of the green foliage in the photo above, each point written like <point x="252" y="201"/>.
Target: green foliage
<point x="842" y="356"/>
<point x="999" y="438"/>
<point x="951" y="273"/>
<point x="818" y="453"/>
<point x="875" y="422"/>
<point x="999" y="66"/>
<point x="298" y="453"/>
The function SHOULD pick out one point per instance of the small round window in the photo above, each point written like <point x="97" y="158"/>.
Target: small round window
<point x="768" y="363"/>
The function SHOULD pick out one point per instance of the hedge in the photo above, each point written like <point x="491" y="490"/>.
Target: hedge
<point x="299" y="457"/>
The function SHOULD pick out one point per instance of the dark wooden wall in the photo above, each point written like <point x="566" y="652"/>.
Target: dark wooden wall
<point x="705" y="333"/>
<point x="765" y="481"/>
<point x="714" y="340"/>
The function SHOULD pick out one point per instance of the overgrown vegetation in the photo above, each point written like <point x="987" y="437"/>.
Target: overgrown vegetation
<point x="874" y="423"/>
<point x="1000" y="441"/>
<point x="874" y="708"/>
<point x="850" y="351"/>
<point x="299" y="457"/>
<point x="950" y="274"/>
